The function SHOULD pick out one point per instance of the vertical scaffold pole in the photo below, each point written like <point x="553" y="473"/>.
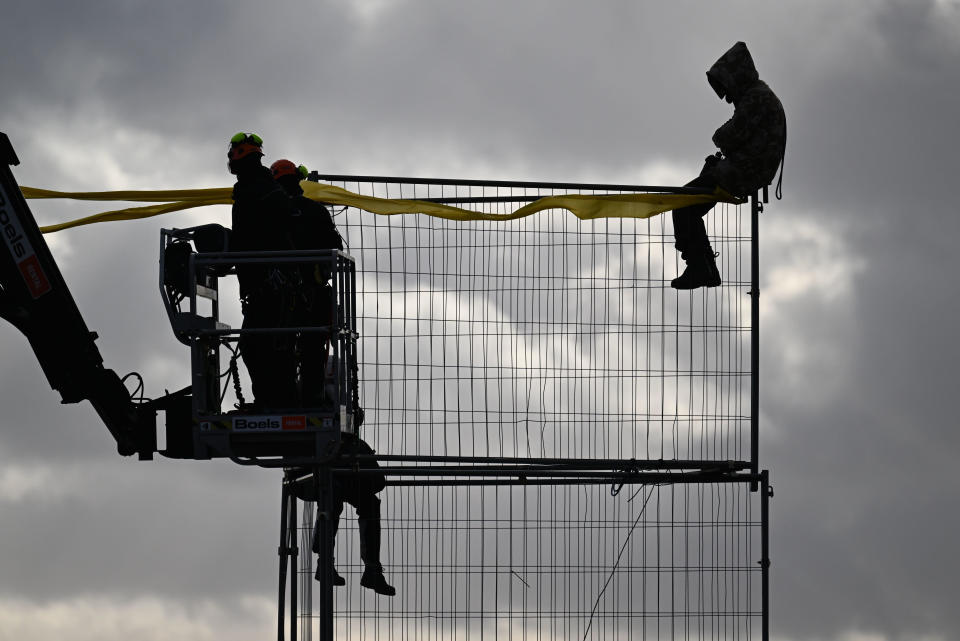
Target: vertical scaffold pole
<point x="292" y="556"/>
<point x="755" y="208"/>
<point x="282" y="552"/>
<point x="324" y="485"/>
<point x="765" y="494"/>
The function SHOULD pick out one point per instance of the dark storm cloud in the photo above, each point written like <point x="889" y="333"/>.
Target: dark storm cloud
<point x="867" y="492"/>
<point x="878" y="110"/>
<point x="505" y="84"/>
<point x="145" y="94"/>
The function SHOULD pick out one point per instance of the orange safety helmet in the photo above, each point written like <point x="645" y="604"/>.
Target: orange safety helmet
<point x="284" y="167"/>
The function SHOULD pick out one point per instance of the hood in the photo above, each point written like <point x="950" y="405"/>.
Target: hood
<point x="733" y="73"/>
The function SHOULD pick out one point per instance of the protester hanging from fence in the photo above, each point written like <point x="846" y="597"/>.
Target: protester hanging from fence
<point x="262" y="221"/>
<point x="751" y="147"/>
<point x="313" y="229"/>
<point x="359" y="490"/>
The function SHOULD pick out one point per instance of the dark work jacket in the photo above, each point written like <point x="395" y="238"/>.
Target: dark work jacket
<point x="262" y="221"/>
<point x="753" y="140"/>
<point x="369" y="483"/>
<point x="351" y="445"/>
<point x="313" y="228"/>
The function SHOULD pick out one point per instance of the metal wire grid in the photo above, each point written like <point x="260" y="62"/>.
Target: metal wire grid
<point x="552" y="562"/>
<point x="551" y="337"/>
<point x="546" y="336"/>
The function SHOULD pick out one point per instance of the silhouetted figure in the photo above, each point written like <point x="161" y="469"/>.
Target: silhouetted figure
<point x="262" y="220"/>
<point x="360" y="491"/>
<point x="313" y="228"/>
<point x="751" y="146"/>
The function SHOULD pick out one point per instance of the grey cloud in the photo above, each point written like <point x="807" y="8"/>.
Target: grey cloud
<point x="483" y="80"/>
<point x="863" y="515"/>
<point x="179" y="530"/>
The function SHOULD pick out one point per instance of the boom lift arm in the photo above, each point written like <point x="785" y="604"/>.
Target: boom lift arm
<point x="35" y="298"/>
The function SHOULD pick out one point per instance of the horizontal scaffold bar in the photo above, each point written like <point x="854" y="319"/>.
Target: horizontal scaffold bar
<point x="480" y="466"/>
<point x="484" y="465"/>
<point x="591" y="463"/>
<point x="517" y="184"/>
<point x="559" y="472"/>
<point x="520" y="472"/>
<point x="645" y="479"/>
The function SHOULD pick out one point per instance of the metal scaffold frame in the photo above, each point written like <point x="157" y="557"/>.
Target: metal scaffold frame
<point x="410" y="470"/>
<point x="292" y="570"/>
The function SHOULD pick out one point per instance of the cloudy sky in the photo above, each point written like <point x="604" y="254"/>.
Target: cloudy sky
<point x="858" y="268"/>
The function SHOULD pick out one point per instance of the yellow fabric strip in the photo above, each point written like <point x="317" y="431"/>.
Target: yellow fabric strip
<point x="151" y="196"/>
<point x="583" y="206"/>
<point x="131" y="213"/>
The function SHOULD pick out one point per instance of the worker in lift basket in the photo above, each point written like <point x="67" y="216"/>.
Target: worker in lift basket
<point x="313" y="229"/>
<point x="751" y="147"/>
<point x="262" y="215"/>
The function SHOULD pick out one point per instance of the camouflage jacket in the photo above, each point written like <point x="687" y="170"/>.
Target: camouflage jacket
<point x="754" y="139"/>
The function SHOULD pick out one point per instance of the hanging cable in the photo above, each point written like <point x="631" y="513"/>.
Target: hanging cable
<point x="139" y="389"/>
<point x="235" y="375"/>
<point x="613" y="571"/>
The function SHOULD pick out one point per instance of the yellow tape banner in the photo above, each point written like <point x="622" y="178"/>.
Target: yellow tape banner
<point x="583" y="206"/>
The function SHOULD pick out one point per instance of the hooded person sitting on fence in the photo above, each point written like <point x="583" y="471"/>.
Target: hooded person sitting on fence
<point x="751" y="147"/>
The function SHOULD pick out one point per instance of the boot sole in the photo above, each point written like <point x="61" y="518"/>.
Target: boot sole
<point x="684" y="288"/>
<point x="371" y="586"/>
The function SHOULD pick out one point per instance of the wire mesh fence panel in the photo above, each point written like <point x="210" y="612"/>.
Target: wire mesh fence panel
<point x="546" y="336"/>
<point x="553" y="562"/>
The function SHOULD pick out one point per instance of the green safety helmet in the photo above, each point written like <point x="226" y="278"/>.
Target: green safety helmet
<point x="243" y="144"/>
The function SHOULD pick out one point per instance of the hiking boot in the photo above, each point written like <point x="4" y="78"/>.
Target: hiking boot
<point x="701" y="271"/>
<point x="336" y="578"/>
<point x="373" y="579"/>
